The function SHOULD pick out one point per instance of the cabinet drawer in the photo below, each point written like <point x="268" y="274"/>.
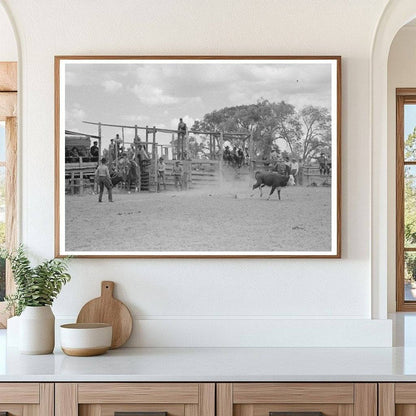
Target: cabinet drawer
<point x="152" y="399"/>
<point x="21" y="399"/>
<point x="297" y="399"/>
<point x="397" y="399"/>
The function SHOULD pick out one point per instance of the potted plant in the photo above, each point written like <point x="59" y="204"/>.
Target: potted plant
<point x="36" y="289"/>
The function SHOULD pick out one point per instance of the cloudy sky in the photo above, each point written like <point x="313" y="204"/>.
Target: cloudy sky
<point x="153" y="94"/>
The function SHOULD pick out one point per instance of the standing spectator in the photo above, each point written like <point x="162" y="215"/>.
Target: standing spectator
<point x="177" y="173"/>
<point x="102" y="177"/>
<point x="294" y="169"/>
<point x="112" y="150"/>
<point x="130" y="152"/>
<point x="246" y="156"/>
<point x="118" y="141"/>
<point x="240" y="156"/>
<point x="322" y="164"/>
<point x="182" y="128"/>
<point x="135" y="146"/>
<point x="161" y="170"/>
<point x="94" y="152"/>
<point x="227" y="155"/>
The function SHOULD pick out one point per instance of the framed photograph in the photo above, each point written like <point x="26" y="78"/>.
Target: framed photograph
<point x="198" y="156"/>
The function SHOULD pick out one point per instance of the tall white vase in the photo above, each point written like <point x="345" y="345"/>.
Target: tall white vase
<point x="37" y="330"/>
<point x="13" y="332"/>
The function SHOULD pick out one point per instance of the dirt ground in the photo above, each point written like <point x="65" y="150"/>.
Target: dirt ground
<point x="216" y="220"/>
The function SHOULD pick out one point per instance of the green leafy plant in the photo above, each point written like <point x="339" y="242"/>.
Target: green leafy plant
<point x="35" y="286"/>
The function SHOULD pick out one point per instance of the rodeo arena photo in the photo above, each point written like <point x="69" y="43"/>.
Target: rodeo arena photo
<point x="240" y="178"/>
<point x="183" y="191"/>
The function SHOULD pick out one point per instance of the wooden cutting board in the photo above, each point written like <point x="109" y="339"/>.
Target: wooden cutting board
<point x="107" y="309"/>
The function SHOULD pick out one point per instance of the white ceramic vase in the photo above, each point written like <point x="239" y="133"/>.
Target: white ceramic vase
<point x="13" y="331"/>
<point x="37" y="330"/>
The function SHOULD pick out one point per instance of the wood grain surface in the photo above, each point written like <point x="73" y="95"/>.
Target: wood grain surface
<point x="110" y="393"/>
<point x="252" y="393"/>
<point x="59" y="58"/>
<point x="107" y="309"/>
<point x="8" y="76"/>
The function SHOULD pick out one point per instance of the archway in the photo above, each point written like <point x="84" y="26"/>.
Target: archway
<point x="396" y="14"/>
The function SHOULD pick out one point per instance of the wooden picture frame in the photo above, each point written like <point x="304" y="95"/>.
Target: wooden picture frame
<point x="8" y="115"/>
<point x="163" y="85"/>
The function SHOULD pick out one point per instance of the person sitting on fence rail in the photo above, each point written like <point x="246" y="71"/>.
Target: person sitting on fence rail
<point x="177" y="173"/>
<point x="102" y="176"/>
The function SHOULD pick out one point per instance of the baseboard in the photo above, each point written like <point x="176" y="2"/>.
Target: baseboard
<point x="247" y="332"/>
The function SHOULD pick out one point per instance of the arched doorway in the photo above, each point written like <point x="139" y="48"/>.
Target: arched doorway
<point x="396" y="14"/>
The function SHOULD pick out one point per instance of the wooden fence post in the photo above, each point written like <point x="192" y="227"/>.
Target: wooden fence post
<point x="147" y="137"/>
<point x="251" y="153"/>
<point x="99" y="142"/>
<point x="186" y="152"/>
<point x="154" y="156"/>
<point x="220" y="162"/>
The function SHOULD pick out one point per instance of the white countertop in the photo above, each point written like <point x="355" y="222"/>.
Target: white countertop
<point x="213" y="364"/>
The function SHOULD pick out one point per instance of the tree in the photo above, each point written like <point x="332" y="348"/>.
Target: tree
<point x="316" y="132"/>
<point x="409" y="208"/>
<point x="410" y="146"/>
<point x="196" y="147"/>
<point x="306" y="133"/>
<point x="264" y="121"/>
<point x="410" y="205"/>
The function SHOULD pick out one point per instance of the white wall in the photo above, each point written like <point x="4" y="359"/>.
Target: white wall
<point x="8" y="47"/>
<point x="401" y="74"/>
<point x="179" y="302"/>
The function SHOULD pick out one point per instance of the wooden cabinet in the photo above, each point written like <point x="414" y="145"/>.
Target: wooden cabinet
<point x="297" y="399"/>
<point x="397" y="399"/>
<point x="208" y="399"/>
<point x="108" y="399"/>
<point x="27" y="399"/>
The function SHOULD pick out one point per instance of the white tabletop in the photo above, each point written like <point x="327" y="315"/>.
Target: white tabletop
<point x="213" y="365"/>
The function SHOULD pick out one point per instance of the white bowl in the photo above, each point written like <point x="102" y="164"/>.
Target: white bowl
<point x="83" y="340"/>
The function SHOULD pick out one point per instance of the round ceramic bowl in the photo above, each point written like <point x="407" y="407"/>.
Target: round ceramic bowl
<point x="84" y="340"/>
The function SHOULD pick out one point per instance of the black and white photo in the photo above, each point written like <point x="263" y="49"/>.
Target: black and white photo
<point x="198" y="157"/>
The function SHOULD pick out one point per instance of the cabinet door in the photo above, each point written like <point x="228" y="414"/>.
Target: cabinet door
<point x="297" y="399"/>
<point x="26" y="399"/>
<point x="397" y="399"/>
<point x="143" y="399"/>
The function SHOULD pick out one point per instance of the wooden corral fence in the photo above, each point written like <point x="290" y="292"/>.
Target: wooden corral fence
<point x="309" y="175"/>
<point x="196" y="174"/>
<point x="79" y="177"/>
